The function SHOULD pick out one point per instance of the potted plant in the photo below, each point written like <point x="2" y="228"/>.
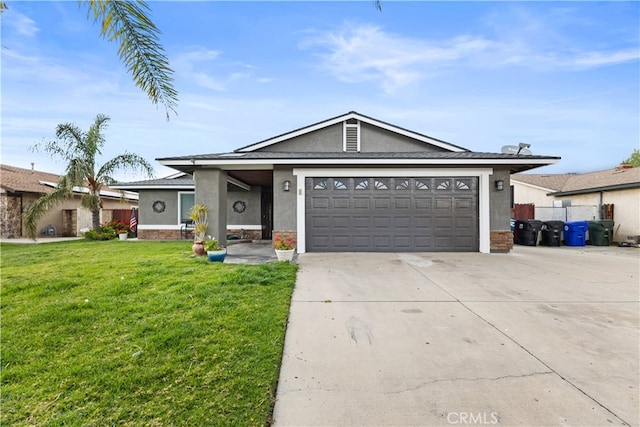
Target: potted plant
<point x="121" y="229"/>
<point x="285" y="247"/>
<point x="198" y="214"/>
<point x="215" y="251"/>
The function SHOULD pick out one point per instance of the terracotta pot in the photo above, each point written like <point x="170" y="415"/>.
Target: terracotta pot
<point x="198" y="249"/>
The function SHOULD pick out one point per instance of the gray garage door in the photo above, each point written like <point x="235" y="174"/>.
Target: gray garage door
<point x="392" y="214"/>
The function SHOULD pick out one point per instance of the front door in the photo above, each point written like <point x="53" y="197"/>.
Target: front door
<point x="266" y="212"/>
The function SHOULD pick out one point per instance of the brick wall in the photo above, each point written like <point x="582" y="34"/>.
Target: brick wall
<point x="501" y="240"/>
<point x="284" y="234"/>
<point x="159" y="234"/>
<point x="246" y="234"/>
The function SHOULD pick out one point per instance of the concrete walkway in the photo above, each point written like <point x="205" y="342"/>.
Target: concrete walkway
<point x="538" y="337"/>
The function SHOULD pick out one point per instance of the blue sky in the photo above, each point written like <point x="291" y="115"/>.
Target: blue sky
<point x="561" y="76"/>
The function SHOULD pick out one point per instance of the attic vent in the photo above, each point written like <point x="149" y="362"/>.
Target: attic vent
<point x="351" y="136"/>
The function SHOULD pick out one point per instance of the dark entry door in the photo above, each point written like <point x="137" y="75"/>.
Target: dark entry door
<point x="267" y="211"/>
<point x="404" y="214"/>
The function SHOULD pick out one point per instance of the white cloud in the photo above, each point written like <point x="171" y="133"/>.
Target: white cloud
<point x="361" y="52"/>
<point x="22" y="24"/>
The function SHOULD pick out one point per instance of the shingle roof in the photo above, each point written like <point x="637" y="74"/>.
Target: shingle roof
<point x="583" y="183"/>
<point x="19" y="180"/>
<point x="182" y="182"/>
<point x="552" y="182"/>
<point x="16" y="179"/>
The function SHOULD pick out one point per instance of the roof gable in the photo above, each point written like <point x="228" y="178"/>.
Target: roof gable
<point x="349" y="116"/>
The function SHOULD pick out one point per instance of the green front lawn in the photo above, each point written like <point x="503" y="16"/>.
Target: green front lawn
<point x="138" y="333"/>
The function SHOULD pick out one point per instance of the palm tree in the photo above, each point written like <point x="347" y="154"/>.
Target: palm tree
<point x="80" y="149"/>
<point x="126" y="22"/>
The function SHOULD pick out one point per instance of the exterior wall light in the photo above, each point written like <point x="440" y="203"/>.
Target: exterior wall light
<point x="499" y="184"/>
<point x="286" y="186"/>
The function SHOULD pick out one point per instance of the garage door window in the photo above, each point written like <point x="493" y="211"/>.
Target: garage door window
<point x="381" y="184"/>
<point x="402" y="184"/>
<point x="339" y="184"/>
<point x="319" y="184"/>
<point x="463" y="185"/>
<point x="362" y="184"/>
<point x="421" y="184"/>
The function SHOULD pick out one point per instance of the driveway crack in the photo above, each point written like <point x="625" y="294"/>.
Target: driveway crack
<point x="424" y="384"/>
<point x="513" y="340"/>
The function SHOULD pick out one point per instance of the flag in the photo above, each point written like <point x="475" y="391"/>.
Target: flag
<point x="133" y="222"/>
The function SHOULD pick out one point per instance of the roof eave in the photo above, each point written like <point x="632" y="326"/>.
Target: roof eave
<point x="595" y="189"/>
<point x="190" y="165"/>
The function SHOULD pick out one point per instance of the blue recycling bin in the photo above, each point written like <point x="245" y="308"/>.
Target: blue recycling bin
<point x="575" y="233"/>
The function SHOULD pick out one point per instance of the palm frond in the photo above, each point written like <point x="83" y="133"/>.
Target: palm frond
<point x="125" y="161"/>
<point x="139" y="48"/>
<point x="42" y="204"/>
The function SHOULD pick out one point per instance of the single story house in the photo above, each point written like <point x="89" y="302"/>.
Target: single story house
<point x="20" y="187"/>
<point x="348" y="183"/>
<point x="618" y="187"/>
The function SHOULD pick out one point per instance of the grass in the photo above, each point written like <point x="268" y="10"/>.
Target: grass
<point x="138" y="333"/>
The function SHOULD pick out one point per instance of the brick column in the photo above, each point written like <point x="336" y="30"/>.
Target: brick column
<point x="501" y="241"/>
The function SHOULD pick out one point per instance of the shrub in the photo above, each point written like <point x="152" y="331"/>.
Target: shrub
<point x="106" y="234"/>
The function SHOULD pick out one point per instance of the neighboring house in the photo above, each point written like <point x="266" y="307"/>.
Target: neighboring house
<point x="619" y="187"/>
<point x="19" y="188"/>
<point x="349" y="183"/>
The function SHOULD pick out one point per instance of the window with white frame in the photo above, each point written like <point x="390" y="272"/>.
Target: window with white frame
<point x="186" y="200"/>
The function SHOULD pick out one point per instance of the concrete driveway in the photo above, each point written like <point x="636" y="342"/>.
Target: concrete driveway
<point x="540" y="336"/>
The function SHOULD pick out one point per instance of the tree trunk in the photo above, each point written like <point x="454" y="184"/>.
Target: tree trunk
<point x="95" y="219"/>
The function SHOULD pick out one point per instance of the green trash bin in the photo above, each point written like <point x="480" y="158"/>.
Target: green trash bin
<point x="600" y="232"/>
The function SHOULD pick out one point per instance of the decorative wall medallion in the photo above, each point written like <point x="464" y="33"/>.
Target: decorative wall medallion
<point x="158" y="206"/>
<point x="239" y="206"/>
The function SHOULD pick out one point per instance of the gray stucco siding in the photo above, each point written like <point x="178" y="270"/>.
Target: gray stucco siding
<point x="284" y="202"/>
<point x="375" y="139"/>
<point x="326" y="140"/>
<point x="148" y="216"/>
<point x="251" y="200"/>
<point x="500" y="201"/>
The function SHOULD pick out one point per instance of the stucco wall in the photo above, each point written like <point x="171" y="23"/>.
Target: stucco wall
<point x="374" y="139"/>
<point x="324" y="140"/>
<point x="170" y="215"/>
<point x="500" y="206"/>
<point x="284" y="202"/>
<point x="211" y="191"/>
<point x="626" y="208"/>
<point x="251" y="214"/>
<point x="330" y="139"/>
<point x="626" y="212"/>
<point x="524" y="194"/>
